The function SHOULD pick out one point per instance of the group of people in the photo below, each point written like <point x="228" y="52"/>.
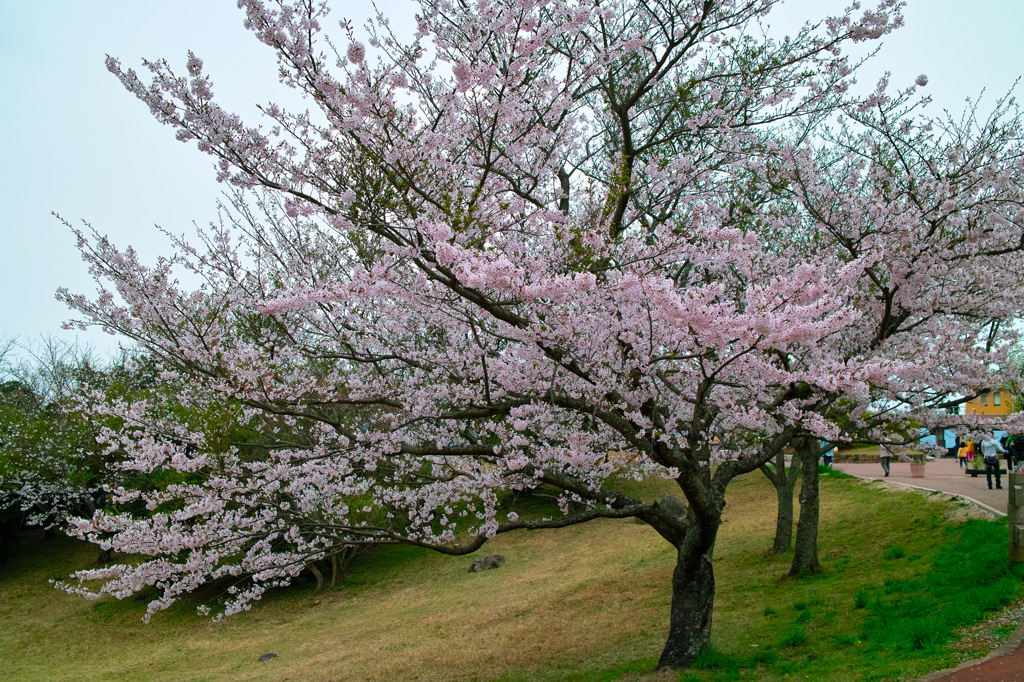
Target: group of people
<point x="1011" y="446"/>
<point x="989" y="449"/>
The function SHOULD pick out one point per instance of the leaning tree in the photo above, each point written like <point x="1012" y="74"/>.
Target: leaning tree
<point x="515" y="252"/>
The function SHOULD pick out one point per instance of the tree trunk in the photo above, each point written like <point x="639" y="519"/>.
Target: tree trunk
<point x="784" y="481"/>
<point x="318" y="574"/>
<point x="337" y="574"/>
<point x="805" y="556"/>
<point x="784" y="517"/>
<point x="693" y="596"/>
<point x="339" y="564"/>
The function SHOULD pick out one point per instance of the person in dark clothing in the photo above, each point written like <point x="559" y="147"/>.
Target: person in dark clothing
<point x="990" y="450"/>
<point x="884" y="456"/>
<point x="1007" y="443"/>
<point x="1017" y="448"/>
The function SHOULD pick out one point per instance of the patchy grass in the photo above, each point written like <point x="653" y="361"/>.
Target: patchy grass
<point x="583" y="603"/>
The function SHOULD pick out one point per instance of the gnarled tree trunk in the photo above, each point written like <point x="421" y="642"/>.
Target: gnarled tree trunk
<point x="693" y="598"/>
<point x="318" y="574"/>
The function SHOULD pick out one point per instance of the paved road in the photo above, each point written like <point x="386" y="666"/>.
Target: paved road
<point x="939" y="474"/>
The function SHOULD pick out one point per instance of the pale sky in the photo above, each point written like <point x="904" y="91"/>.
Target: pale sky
<point x="73" y="141"/>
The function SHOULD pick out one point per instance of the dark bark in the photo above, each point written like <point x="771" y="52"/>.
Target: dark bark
<point x="318" y="574"/>
<point x="784" y="481"/>
<point x="340" y="561"/>
<point x="693" y="597"/>
<point x="693" y="581"/>
<point x="805" y="556"/>
<point x="784" y="516"/>
<point x="104" y="557"/>
<point x="337" y="570"/>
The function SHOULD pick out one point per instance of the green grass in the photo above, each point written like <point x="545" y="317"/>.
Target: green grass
<point x="1004" y="630"/>
<point x="583" y="603"/>
<point x="924" y="611"/>
<point x="893" y="552"/>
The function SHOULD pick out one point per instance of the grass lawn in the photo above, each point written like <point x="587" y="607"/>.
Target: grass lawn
<point x="583" y="603"/>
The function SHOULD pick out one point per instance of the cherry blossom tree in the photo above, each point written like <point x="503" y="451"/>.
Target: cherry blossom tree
<point x="516" y="253"/>
<point x="932" y="210"/>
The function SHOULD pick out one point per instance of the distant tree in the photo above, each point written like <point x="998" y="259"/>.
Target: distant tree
<point x="51" y="466"/>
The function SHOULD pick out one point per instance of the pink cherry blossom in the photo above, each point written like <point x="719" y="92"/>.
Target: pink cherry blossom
<point x="579" y="245"/>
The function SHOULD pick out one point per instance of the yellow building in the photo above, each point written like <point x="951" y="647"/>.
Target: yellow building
<point x="996" y="403"/>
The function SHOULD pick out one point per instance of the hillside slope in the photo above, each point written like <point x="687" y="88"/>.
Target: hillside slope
<point x="588" y="602"/>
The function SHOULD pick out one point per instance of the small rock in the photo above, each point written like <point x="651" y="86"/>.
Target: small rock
<point x="673" y="505"/>
<point x="267" y="657"/>
<point x="488" y="562"/>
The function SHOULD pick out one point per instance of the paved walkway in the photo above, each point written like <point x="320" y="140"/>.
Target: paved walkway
<point x="1007" y="662"/>
<point x="940" y="474"/>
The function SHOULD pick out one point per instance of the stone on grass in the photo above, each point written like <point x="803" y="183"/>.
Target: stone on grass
<point x="488" y="562"/>
<point x="674" y="505"/>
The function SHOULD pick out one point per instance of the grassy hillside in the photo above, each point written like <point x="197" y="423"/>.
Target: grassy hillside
<point x="589" y="602"/>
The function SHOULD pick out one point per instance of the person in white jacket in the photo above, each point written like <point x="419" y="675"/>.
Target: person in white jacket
<point x="990" y="451"/>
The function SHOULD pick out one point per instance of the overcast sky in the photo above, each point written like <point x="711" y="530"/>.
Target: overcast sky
<point x="73" y="141"/>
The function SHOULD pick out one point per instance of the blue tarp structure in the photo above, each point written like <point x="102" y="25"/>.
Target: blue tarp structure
<point x="950" y="437"/>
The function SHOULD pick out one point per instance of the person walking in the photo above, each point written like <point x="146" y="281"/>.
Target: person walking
<point x="961" y="455"/>
<point x="990" y="450"/>
<point x="884" y="456"/>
